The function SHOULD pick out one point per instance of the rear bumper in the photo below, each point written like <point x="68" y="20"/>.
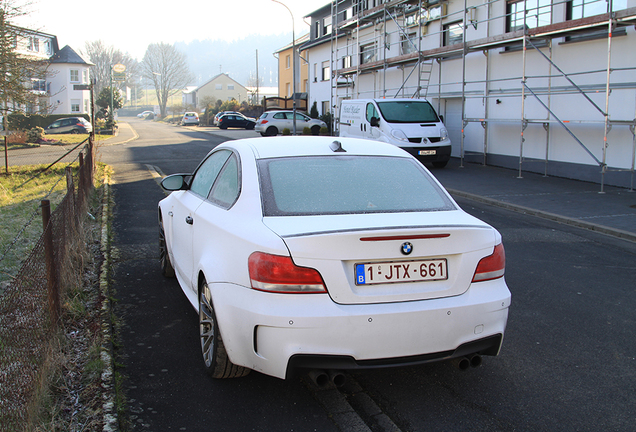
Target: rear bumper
<point x="486" y="346"/>
<point x="274" y="333"/>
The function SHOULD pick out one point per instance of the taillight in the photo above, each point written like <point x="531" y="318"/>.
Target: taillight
<point x="491" y="267"/>
<point x="263" y="121"/>
<point x="279" y="274"/>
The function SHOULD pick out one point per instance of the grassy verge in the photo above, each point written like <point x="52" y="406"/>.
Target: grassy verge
<point x="69" y="396"/>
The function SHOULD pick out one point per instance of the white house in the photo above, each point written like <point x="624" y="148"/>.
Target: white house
<point x="67" y="71"/>
<point x="545" y="86"/>
<point x="54" y="90"/>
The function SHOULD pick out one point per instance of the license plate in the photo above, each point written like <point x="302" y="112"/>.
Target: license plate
<point x="427" y="152"/>
<point x="402" y="271"/>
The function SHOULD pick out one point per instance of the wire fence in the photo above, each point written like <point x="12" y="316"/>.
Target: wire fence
<point x="30" y="304"/>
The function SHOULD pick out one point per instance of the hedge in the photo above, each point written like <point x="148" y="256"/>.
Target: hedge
<point x="19" y="121"/>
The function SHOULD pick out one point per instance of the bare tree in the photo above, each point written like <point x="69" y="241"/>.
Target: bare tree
<point x="166" y="68"/>
<point x="104" y="57"/>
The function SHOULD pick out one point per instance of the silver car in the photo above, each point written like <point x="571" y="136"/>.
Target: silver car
<point x="69" y="125"/>
<point x="272" y="123"/>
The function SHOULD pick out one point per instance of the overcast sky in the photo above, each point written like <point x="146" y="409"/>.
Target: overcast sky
<point x="131" y="25"/>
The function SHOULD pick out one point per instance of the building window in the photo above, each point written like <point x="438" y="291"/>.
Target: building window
<point x="453" y="33"/>
<point x="325" y="107"/>
<point x="219" y="87"/>
<point x="368" y="53"/>
<point x="586" y="8"/>
<point x="435" y="13"/>
<point x="230" y="86"/>
<point x="75" y="105"/>
<point x="34" y="44"/>
<point x="346" y="62"/>
<point x="47" y="47"/>
<point x="287" y="90"/>
<point x="577" y="9"/>
<point x="408" y="43"/>
<point x="346" y="14"/>
<point x="537" y="13"/>
<point x="86" y="106"/>
<point x="74" y="75"/>
<point x="38" y="85"/>
<point x="317" y="30"/>
<point x="306" y="85"/>
<point x="326" y="71"/>
<point x="326" y="25"/>
<point x="85" y="76"/>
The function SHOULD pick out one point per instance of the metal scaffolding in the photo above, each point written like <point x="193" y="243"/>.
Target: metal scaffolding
<point x="361" y="30"/>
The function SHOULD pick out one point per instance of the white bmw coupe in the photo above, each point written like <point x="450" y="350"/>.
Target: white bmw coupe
<point x="329" y="253"/>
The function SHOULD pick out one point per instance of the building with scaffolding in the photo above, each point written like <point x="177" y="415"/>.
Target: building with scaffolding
<point x="535" y="85"/>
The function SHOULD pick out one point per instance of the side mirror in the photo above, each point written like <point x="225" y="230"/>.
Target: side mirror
<point x="174" y="182"/>
<point x="375" y="122"/>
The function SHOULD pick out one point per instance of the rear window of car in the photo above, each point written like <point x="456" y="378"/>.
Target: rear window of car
<point x="322" y="185"/>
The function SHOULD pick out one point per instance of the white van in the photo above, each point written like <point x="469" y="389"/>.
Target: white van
<point x="411" y="124"/>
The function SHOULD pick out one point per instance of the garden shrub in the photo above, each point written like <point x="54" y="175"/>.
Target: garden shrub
<point x="34" y="135"/>
<point x="286" y="131"/>
<point x="306" y="130"/>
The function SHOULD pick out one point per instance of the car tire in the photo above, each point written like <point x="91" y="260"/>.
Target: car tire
<point x="440" y="164"/>
<point x="271" y="131"/>
<point x="164" y="257"/>
<point x="249" y="127"/>
<point x="315" y="130"/>
<point x="75" y="131"/>
<point x="223" y="127"/>
<point x="215" y="358"/>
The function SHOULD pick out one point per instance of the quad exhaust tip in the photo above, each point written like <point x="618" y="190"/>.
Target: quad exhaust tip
<point x="463" y="363"/>
<point x="325" y="378"/>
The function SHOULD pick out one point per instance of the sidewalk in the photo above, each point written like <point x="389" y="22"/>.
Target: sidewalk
<point x="567" y="201"/>
<point x="125" y="134"/>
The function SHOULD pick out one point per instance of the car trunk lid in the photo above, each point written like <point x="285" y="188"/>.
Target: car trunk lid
<point x="396" y="251"/>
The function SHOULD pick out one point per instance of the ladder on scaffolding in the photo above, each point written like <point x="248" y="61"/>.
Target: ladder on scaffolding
<point x="425" y="71"/>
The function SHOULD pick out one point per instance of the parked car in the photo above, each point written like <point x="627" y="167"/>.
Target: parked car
<point x="189" y="119"/>
<point x="218" y="115"/>
<point x="272" y="123"/>
<point x="147" y="114"/>
<point x="69" y="125"/>
<point x="307" y="252"/>
<point x="236" y="121"/>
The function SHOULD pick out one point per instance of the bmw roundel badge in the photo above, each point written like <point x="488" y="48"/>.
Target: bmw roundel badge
<point x="407" y="248"/>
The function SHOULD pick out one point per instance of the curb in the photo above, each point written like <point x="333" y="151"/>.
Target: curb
<point x="110" y="420"/>
<point x="623" y="235"/>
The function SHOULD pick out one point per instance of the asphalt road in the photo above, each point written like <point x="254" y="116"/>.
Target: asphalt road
<point x="568" y="362"/>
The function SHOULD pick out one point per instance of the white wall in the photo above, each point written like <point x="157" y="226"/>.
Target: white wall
<point x="62" y="92"/>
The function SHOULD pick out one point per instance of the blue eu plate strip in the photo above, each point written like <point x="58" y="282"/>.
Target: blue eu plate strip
<point x="360" y="274"/>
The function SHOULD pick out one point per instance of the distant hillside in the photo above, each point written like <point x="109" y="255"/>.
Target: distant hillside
<point x="208" y="58"/>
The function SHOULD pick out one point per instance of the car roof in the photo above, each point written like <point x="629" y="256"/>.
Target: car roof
<point x="286" y="146"/>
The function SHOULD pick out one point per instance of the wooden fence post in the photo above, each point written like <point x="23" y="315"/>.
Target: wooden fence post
<point x="51" y="269"/>
<point x="81" y="186"/>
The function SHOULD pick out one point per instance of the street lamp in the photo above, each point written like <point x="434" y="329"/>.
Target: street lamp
<point x="293" y="65"/>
